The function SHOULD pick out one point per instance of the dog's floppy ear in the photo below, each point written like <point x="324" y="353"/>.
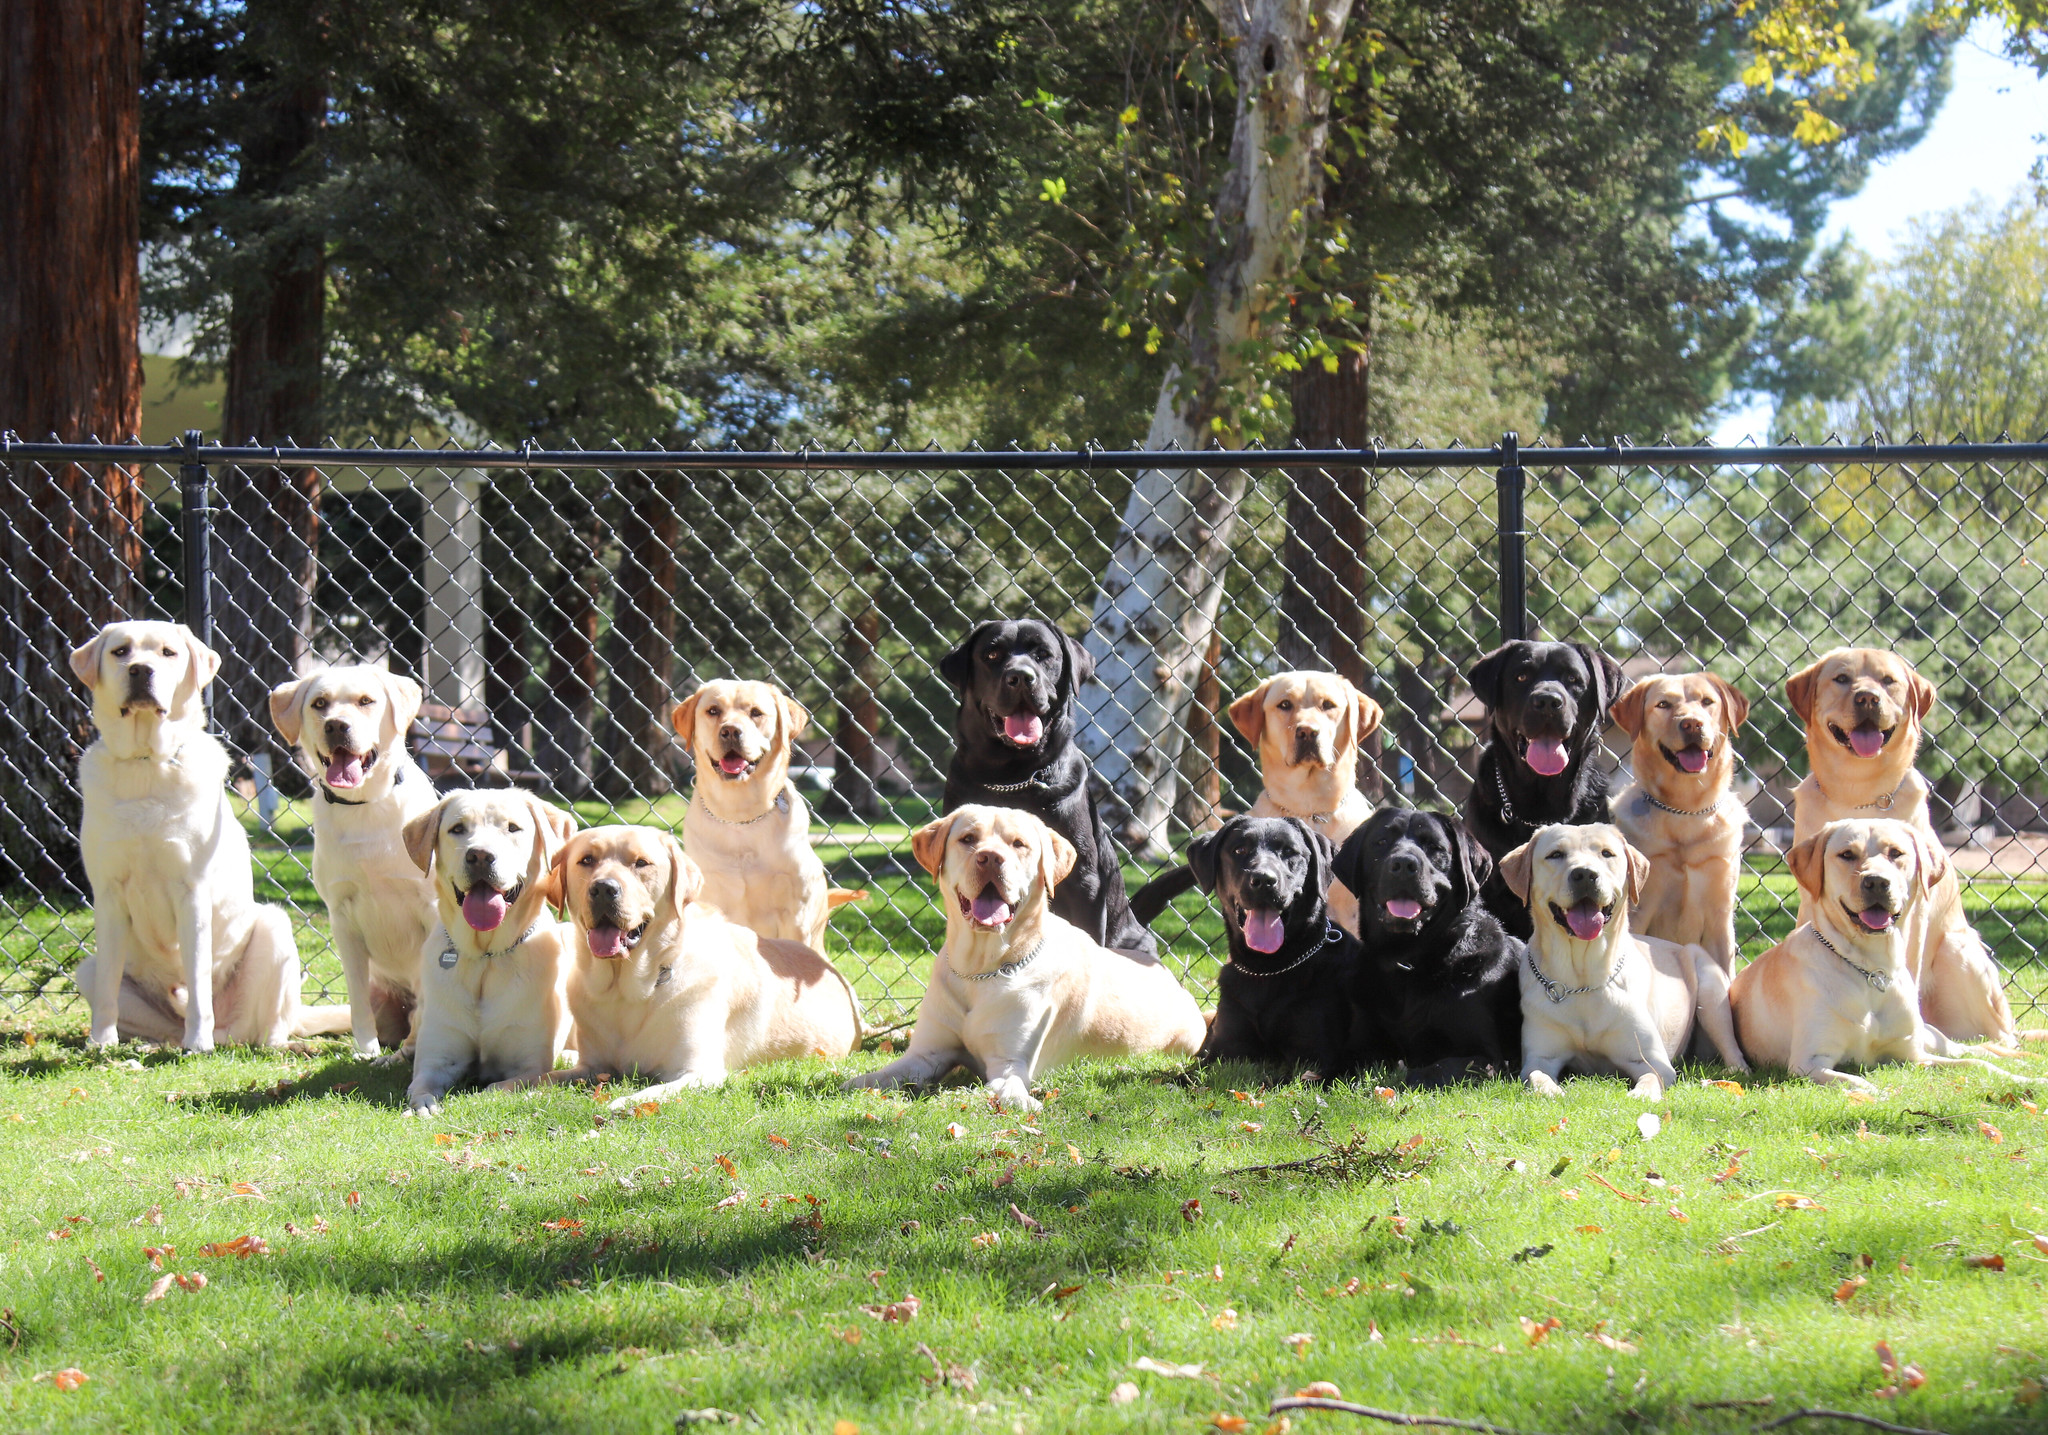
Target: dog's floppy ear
<point x="1347" y="862"/>
<point x="1607" y="676"/>
<point x="685" y="877"/>
<point x="554" y="883"/>
<point x="1517" y="868"/>
<point x="684" y="718"/>
<point x="1248" y="713"/>
<point x="1487" y="673"/>
<point x="1806" y="860"/>
<point x="796" y="718"/>
<point x="1930" y="862"/>
<point x="1733" y="703"/>
<point x="1080" y="667"/>
<point x="1627" y="711"/>
<point x="1473" y="864"/>
<point x="1203" y="855"/>
<point x="557" y="826"/>
<point x="85" y="659"/>
<point x="1056" y="859"/>
<point x="928" y="843"/>
<point x="957" y="667"/>
<point x="205" y="661"/>
<point x="285" y="712"/>
<point x="420" y="836"/>
<point x="1366" y="716"/>
<point x="1799" y="689"/>
<point x="405" y="697"/>
<point x="1322" y="859"/>
<point x="1919" y="693"/>
<point x="1638" y="874"/>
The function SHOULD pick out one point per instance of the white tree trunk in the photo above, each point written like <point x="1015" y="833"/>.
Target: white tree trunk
<point x="1157" y="603"/>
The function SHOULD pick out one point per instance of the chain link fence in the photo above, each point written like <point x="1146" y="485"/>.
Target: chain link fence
<point x="555" y="605"/>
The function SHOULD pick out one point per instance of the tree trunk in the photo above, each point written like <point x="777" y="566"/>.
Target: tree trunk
<point x="270" y="517"/>
<point x="643" y="682"/>
<point x="860" y="713"/>
<point x="1156" y="607"/>
<point x="1323" y="621"/>
<point x="70" y="366"/>
<point x="508" y="594"/>
<point x="570" y="718"/>
<point x="1201" y="776"/>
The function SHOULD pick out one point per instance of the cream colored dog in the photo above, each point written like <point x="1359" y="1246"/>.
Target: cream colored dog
<point x="665" y="986"/>
<point x="1309" y="729"/>
<point x="1015" y="990"/>
<point x="1840" y="991"/>
<point x="495" y="966"/>
<point x="1680" y="811"/>
<point x="349" y="726"/>
<point x="183" y="951"/>
<point x="747" y="827"/>
<point x="1863" y="709"/>
<point x="1595" y="997"/>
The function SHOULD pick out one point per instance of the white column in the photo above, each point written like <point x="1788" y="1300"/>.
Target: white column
<point x="454" y="580"/>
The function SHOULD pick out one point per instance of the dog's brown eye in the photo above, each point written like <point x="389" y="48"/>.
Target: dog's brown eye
<point x="1020" y="844"/>
<point x="642" y="862"/>
<point x="121" y="652"/>
<point x="711" y="712"/>
<point x="364" y="701"/>
<point x="587" y="860"/>
<point x="513" y="827"/>
<point x="755" y="714"/>
<point x="1841" y="677"/>
<point x="1891" y="682"/>
<point x="458" y="830"/>
<point x="319" y="705"/>
<point x="1286" y="705"/>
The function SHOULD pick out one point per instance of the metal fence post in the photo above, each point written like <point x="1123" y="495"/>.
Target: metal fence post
<point x="1509" y="483"/>
<point x="195" y="490"/>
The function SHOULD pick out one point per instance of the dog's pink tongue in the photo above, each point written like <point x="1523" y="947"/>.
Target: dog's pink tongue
<point x="1693" y="759"/>
<point x="990" y="909"/>
<point x="1404" y="909"/>
<point x="1024" y="729"/>
<point x="1866" y="741"/>
<point x="1876" y="918"/>
<point x="345" y="769"/>
<point x="1546" y="755"/>
<point x="1263" y="931"/>
<point x="484" y="908"/>
<point x="607" y="941"/>
<point x="733" y="764"/>
<point x="1587" y="921"/>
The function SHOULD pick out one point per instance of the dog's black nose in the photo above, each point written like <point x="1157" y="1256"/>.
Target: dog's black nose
<point x="476" y="857"/>
<point x="1875" y="885"/>
<point x="1865" y="698"/>
<point x="605" y="889"/>
<point x="1546" y="702"/>
<point x="1691" y="727"/>
<point x="336" y="727"/>
<point x="1583" y="876"/>
<point x="1404" y="864"/>
<point x="1261" y="881"/>
<point x="138" y="670"/>
<point x="1019" y="678"/>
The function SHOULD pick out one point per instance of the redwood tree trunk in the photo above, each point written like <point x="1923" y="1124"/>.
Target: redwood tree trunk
<point x="569" y="719"/>
<point x="70" y="366"/>
<point x="269" y="517"/>
<point x="860" y="713"/>
<point x="642" y="685"/>
<point x="508" y="596"/>
<point x="1322" y="605"/>
<point x="1201" y="776"/>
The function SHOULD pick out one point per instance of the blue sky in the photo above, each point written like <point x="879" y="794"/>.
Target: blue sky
<point x="1981" y="143"/>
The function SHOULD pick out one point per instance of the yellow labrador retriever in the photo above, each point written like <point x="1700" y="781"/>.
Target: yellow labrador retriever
<point x="1309" y="729"/>
<point x="183" y="951"/>
<point x="349" y="726"/>
<point x="494" y="967"/>
<point x="663" y="985"/>
<point x="1863" y="709"/>
<point x="747" y="827"/>
<point x="1016" y="990"/>
<point x="1679" y="810"/>
<point x="1595" y="997"/>
<point x="1840" y="991"/>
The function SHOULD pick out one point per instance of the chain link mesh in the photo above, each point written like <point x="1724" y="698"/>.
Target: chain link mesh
<point x="555" y="614"/>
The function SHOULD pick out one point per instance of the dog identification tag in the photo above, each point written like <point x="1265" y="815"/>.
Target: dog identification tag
<point x="447" y="958"/>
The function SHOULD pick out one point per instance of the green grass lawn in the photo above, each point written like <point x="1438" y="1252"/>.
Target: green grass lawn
<point x="522" y="1263"/>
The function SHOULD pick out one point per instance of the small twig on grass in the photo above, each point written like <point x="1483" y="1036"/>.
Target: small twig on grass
<point x="1351" y="1160"/>
<point x="1741" y="1404"/>
<point x="1390" y="1417"/>
<point x="1870" y="1420"/>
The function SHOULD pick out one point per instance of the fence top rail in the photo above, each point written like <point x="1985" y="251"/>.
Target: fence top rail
<point x="1614" y="455"/>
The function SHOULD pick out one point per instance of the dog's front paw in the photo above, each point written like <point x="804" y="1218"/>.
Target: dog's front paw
<point x="104" y="1036"/>
<point x="199" y="1045"/>
<point x="420" y="1103"/>
<point x="1543" y="1084"/>
<point x="1648" y="1087"/>
<point x="390" y="1058"/>
<point x="1014" y="1096"/>
<point x="866" y="1081"/>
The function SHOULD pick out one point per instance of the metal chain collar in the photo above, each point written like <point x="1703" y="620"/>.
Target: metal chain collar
<point x="1884" y="803"/>
<point x="780" y="804"/>
<point x="449" y="957"/>
<point x="1557" y="993"/>
<point x="1330" y="934"/>
<point x="1880" y="980"/>
<point x="1002" y="971"/>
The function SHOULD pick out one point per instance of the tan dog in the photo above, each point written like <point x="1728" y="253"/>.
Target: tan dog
<point x="1840" y="991"/>
<point x="1595" y="997"/>
<point x="1015" y="990"/>
<point x="494" y="969"/>
<point x="747" y="828"/>
<point x="1863" y="709"/>
<point x="665" y="986"/>
<point x="1679" y="812"/>
<point x="349" y="726"/>
<point x="183" y="951"/>
<point x="1309" y="729"/>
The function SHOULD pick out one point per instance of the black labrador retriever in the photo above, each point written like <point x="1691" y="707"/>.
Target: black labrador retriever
<point x="1438" y="969"/>
<point x="1014" y="747"/>
<point x="1547" y="704"/>
<point x="1291" y="990"/>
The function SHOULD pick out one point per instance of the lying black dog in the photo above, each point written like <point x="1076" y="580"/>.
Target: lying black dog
<point x="1548" y="705"/>
<point x="1437" y="969"/>
<point x="1014" y="747"/>
<point x="1290" y="993"/>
